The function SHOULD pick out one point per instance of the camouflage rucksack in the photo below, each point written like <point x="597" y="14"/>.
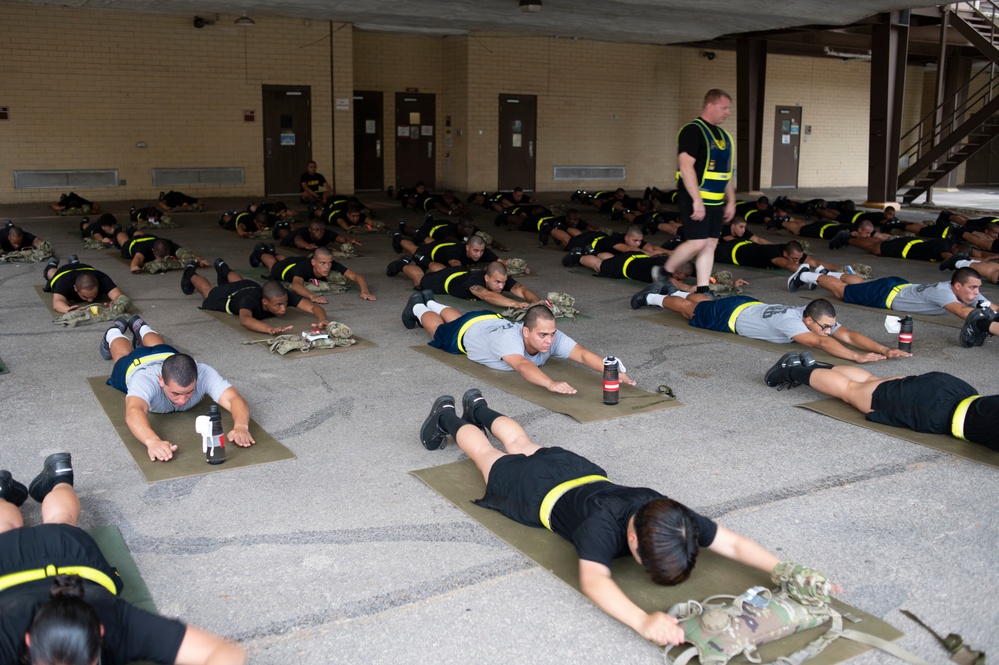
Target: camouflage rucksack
<point x="92" y="313"/>
<point x="333" y="335"/>
<point x="719" y="631"/>
<point x="561" y="305"/>
<point x="723" y="284"/>
<point x="334" y="283"/>
<point x="347" y="251"/>
<point x="29" y="254"/>
<point x="517" y="267"/>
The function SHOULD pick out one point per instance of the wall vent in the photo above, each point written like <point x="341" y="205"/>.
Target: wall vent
<point x="589" y="173"/>
<point x="209" y="176"/>
<point x="65" y="179"/>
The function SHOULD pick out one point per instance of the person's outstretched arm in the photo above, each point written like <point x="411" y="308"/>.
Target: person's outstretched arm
<point x="533" y="374"/>
<point x="199" y="647"/>
<point x="584" y="356"/>
<point x="596" y="583"/>
<point x="137" y="419"/>
<point x="233" y="402"/>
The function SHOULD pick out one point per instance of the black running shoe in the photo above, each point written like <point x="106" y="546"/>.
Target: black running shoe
<point x="432" y="436"/>
<point x="974" y="332"/>
<point x="639" y="300"/>
<point x="841" y="239"/>
<point x="469" y="401"/>
<point x="397" y="242"/>
<point x="121" y="325"/>
<point x="409" y="319"/>
<point x="186" y="285"/>
<point x="950" y="263"/>
<point x="258" y="251"/>
<point x="12" y="491"/>
<point x="572" y="257"/>
<point x="58" y="469"/>
<point x="778" y="376"/>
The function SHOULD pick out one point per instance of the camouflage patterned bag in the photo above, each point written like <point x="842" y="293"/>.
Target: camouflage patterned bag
<point x="335" y="334"/>
<point x="486" y="238"/>
<point x="334" y="283"/>
<point x="94" y="313"/>
<point x="723" y="284"/>
<point x="164" y="222"/>
<point x="94" y="243"/>
<point x="517" y="267"/>
<point x="561" y="305"/>
<point x="162" y="265"/>
<point x="29" y="254"/>
<point x="861" y="269"/>
<point x="346" y="251"/>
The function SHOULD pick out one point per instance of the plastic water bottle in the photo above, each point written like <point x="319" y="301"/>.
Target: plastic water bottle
<point x="612" y="384"/>
<point x="212" y="438"/>
<point x="905" y="335"/>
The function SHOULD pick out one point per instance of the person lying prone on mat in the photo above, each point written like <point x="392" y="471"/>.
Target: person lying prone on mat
<point x="559" y="490"/>
<point x="156" y="378"/>
<point x="491" y="340"/>
<point x="75" y="614"/>
<point x="935" y="402"/>
<point x="77" y="282"/>
<point x="248" y="300"/>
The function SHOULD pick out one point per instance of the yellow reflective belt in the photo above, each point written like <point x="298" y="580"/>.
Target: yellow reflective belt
<point x="228" y="300"/>
<point x="430" y="233"/>
<point x="433" y="251"/>
<point x="138" y="362"/>
<point x="132" y="243"/>
<point x="543" y="220"/>
<point x="735" y="249"/>
<point x="285" y="271"/>
<point x="909" y="245"/>
<point x="468" y="324"/>
<point x="957" y="420"/>
<point x="447" y="281"/>
<point x="594" y="243"/>
<point x="856" y="216"/>
<point x="737" y="311"/>
<point x="64" y="272"/>
<point x="823" y="229"/>
<point x="624" y="268"/>
<point x="87" y="573"/>
<point x="894" y="292"/>
<point x="548" y="503"/>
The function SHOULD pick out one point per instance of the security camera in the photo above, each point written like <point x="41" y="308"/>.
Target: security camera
<point x="709" y="55"/>
<point x="202" y="22"/>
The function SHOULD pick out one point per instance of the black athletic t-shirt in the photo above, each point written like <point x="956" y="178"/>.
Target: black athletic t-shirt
<point x="460" y="286"/>
<point x="751" y="255"/>
<point x="244" y="219"/>
<point x="174" y="199"/>
<point x="606" y="244"/>
<point x="144" y="245"/>
<point x="252" y="299"/>
<point x="90" y="229"/>
<point x="691" y="141"/>
<point x="144" y="214"/>
<point x="329" y="237"/>
<point x="300" y="266"/>
<point x="29" y="239"/>
<point x="313" y="182"/>
<point x="446" y="252"/>
<point x="595" y="519"/>
<point x="65" y="278"/>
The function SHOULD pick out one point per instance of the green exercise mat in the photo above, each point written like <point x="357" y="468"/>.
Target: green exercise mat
<point x="947" y="319"/>
<point x="295" y="317"/>
<point x="461" y="483"/>
<point x="586" y="406"/>
<point x="116" y="552"/>
<point x="665" y="317"/>
<point x="188" y="460"/>
<point x="835" y="408"/>
<point x="47" y="299"/>
<point x="3" y="367"/>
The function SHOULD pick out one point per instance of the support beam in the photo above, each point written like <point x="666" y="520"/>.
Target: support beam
<point x="751" y="70"/>
<point x="889" y="48"/>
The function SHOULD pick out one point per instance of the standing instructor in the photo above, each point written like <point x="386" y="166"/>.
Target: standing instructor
<point x="706" y="193"/>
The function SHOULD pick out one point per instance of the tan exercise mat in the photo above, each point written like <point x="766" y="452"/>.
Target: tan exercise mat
<point x="976" y="452"/>
<point x="178" y="428"/>
<point x="665" y="317"/>
<point x="586" y="406"/>
<point x="294" y="317"/>
<point x="461" y="483"/>
<point x="47" y="299"/>
<point x="465" y="306"/>
<point x="947" y="319"/>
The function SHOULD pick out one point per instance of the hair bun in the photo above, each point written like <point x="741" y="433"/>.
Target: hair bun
<point x="66" y="586"/>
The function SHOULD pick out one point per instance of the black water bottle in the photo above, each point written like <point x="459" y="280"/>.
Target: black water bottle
<point x="215" y="452"/>
<point x="612" y="384"/>
<point x="905" y="335"/>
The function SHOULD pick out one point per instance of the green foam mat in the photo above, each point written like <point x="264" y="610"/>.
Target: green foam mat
<point x="115" y="550"/>
<point x="178" y="428"/>
<point x="664" y="317"/>
<point x="300" y="322"/>
<point x="461" y="483"/>
<point x="835" y="408"/>
<point x="586" y="406"/>
<point x="947" y="319"/>
<point x="3" y="367"/>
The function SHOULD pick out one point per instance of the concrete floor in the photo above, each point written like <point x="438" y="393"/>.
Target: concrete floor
<point x="340" y="556"/>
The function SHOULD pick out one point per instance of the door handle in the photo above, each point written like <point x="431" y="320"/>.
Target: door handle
<point x="269" y="148"/>
<point x="378" y="149"/>
<point x="530" y="149"/>
<point x="795" y="153"/>
<point x="430" y="149"/>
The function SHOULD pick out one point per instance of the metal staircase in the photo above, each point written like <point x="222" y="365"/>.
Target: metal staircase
<point x="964" y="122"/>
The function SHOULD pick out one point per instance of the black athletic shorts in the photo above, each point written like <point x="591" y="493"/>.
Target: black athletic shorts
<point x="919" y="249"/>
<point x="519" y="483"/>
<point x="709" y="227"/>
<point x="923" y="403"/>
<point x="60" y="545"/>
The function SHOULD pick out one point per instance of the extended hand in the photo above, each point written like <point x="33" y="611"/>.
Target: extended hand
<point x="367" y="296"/>
<point x="623" y="378"/>
<point x="698" y="212"/>
<point x="662" y="629"/>
<point x="319" y="300"/>
<point x="562" y="387"/>
<point x="278" y="331"/>
<point x="869" y="357"/>
<point x="898" y="353"/>
<point x="241" y="437"/>
<point x="160" y="451"/>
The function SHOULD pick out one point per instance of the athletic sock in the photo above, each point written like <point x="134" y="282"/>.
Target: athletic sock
<point x="703" y="289"/>
<point x="655" y="299"/>
<point x="420" y="310"/>
<point x="112" y="334"/>
<point x="436" y="307"/>
<point x="223" y="273"/>
<point x="145" y="330"/>
<point x="680" y="294"/>
<point x="834" y="275"/>
<point x="450" y="422"/>
<point x="483" y="415"/>
<point x="809" y="277"/>
<point x="965" y="263"/>
<point x="801" y="374"/>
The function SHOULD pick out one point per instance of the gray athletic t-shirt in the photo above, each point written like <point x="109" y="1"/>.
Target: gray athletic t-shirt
<point x="928" y="298"/>
<point x="144" y="384"/>
<point x="487" y="342"/>
<point x="773" y="323"/>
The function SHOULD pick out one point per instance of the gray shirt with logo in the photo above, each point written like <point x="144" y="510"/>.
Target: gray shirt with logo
<point x="773" y="323"/>
<point x="487" y="342"/>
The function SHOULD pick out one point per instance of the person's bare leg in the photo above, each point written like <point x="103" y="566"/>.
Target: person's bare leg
<point x="869" y="245"/>
<point x="704" y="262"/>
<point x="833" y="285"/>
<point x="431" y="321"/>
<point x="513" y="437"/>
<point x="10" y="516"/>
<point x="853" y="385"/>
<point x="61" y="506"/>
<point x="474" y="443"/>
<point x="591" y="262"/>
<point x="682" y="306"/>
<point x="414" y="273"/>
<point x="201" y="285"/>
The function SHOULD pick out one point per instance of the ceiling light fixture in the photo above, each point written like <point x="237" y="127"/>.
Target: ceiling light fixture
<point x="244" y="21"/>
<point x="530" y="6"/>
